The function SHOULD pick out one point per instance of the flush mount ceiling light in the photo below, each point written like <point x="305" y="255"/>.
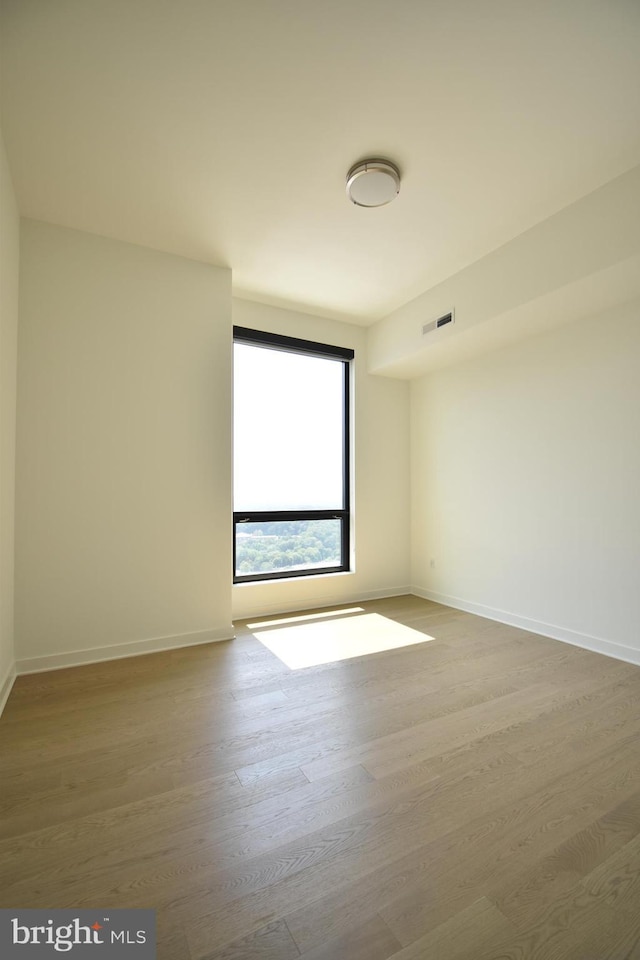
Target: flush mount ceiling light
<point x="372" y="183"/>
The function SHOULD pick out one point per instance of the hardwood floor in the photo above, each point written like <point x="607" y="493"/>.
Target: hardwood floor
<point x="475" y="797"/>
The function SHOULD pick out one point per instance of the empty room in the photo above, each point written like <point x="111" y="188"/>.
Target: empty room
<point x="319" y="473"/>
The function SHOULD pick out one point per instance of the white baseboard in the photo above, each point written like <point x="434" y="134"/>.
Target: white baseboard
<point x="383" y="594"/>
<point x="135" y="648"/>
<point x="596" y="644"/>
<point x="261" y="609"/>
<point x="6" y="685"/>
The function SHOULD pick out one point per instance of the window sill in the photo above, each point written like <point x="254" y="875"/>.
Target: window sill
<point x="310" y="578"/>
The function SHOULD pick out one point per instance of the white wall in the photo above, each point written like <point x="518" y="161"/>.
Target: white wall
<point x="381" y="475"/>
<point x="123" y="509"/>
<point x="526" y="480"/>
<point x="9" y="259"/>
<point x="584" y="258"/>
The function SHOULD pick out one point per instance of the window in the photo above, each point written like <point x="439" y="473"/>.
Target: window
<point x="291" y="457"/>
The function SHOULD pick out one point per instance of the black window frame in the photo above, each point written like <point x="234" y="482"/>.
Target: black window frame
<point x="274" y="341"/>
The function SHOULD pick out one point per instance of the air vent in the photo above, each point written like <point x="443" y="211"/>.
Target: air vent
<point x="440" y="322"/>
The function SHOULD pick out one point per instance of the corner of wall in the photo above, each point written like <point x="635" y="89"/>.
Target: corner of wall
<point x="9" y="269"/>
<point x="6" y="685"/>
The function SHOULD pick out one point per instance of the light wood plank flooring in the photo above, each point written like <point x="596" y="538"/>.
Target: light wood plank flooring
<point x="476" y="796"/>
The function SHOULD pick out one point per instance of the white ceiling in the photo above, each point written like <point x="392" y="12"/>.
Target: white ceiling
<point x="223" y="129"/>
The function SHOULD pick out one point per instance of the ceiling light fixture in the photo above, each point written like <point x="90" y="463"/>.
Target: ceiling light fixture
<point x="372" y="183"/>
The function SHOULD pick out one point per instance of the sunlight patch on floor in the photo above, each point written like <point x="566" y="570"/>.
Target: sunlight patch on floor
<point x="326" y="641"/>
<point x="305" y="617"/>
